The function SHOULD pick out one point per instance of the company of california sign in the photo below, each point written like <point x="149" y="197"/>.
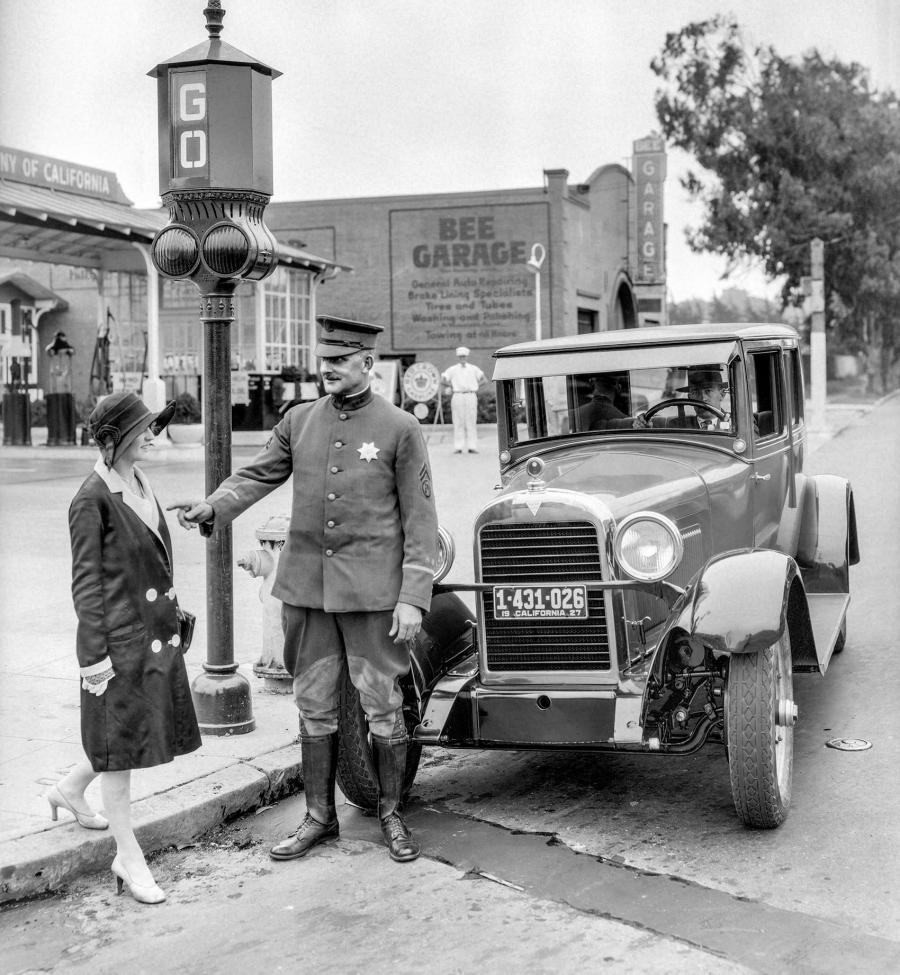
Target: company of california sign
<point x="459" y="275"/>
<point x="57" y="174"/>
<point x="421" y="382"/>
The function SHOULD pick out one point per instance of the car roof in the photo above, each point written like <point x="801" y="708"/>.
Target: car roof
<point x="653" y="335"/>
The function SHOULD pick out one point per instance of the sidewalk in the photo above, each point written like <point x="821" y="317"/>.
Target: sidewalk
<point x="39" y="711"/>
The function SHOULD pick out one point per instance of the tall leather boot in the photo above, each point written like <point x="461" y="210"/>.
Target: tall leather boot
<point x="319" y="759"/>
<point x="390" y="763"/>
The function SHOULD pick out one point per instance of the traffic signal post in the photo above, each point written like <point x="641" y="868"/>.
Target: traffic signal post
<point x="215" y="176"/>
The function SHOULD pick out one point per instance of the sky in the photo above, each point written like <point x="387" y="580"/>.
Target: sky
<point x="392" y="97"/>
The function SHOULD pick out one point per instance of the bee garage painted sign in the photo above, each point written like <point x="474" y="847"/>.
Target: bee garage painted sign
<point x="459" y="274"/>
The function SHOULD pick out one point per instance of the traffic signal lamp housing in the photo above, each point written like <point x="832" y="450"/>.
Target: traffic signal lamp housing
<point x="215" y="162"/>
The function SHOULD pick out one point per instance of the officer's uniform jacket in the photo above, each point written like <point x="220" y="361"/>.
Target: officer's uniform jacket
<point x="363" y="531"/>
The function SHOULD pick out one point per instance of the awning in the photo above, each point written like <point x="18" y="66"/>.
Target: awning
<point x="29" y="288"/>
<point x="48" y="226"/>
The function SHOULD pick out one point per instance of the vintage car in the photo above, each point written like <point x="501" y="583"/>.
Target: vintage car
<point x="652" y="570"/>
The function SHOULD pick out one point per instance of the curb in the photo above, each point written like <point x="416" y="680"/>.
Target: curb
<point x="39" y="863"/>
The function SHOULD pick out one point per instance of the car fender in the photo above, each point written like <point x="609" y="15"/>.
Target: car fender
<point x="445" y="636"/>
<point x="828" y="542"/>
<point x="740" y="602"/>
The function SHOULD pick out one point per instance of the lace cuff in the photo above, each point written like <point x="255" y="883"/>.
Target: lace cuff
<point x="102" y="678"/>
<point x="101" y="667"/>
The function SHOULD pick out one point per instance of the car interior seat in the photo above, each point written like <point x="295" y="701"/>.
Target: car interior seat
<point x="765" y="422"/>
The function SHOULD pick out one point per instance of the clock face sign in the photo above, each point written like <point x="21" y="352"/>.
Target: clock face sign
<point x="421" y="381"/>
<point x="189" y="116"/>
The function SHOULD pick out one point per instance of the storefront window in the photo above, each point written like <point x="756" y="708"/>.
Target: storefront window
<point x="125" y="296"/>
<point x="287" y="324"/>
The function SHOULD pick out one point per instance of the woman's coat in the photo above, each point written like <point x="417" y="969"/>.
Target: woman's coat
<point x="127" y="618"/>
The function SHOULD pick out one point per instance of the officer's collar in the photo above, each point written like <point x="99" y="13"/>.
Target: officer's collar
<point x="352" y="401"/>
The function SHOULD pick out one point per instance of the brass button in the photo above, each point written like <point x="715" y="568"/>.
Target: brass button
<point x="338" y="444"/>
<point x="176" y="640"/>
<point x="151" y="595"/>
<point x="334" y="470"/>
<point x="329" y="552"/>
<point x="156" y="646"/>
<point x="331" y="524"/>
<point x="343" y="416"/>
<point x="331" y="497"/>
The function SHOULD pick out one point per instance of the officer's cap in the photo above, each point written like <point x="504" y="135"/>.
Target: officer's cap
<point x="339" y="336"/>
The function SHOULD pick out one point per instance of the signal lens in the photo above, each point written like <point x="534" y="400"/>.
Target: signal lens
<point x="226" y="250"/>
<point x="176" y="251"/>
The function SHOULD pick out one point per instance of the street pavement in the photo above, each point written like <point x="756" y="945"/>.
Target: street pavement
<point x="176" y="803"/>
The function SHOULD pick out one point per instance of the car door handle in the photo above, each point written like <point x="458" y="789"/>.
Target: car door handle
<point x="761" y="477"/>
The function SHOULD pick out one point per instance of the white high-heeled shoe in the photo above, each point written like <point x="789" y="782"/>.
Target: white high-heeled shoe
<point x="89" y="819"/>
<point x="143" y="893"/>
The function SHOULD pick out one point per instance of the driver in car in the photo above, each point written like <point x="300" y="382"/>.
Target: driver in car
<point x="706" y="385"/>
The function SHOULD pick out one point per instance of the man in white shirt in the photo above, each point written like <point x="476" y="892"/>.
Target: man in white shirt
<point x="463" y="381"/>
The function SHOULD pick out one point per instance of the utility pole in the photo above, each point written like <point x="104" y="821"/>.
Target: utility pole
<point x="817" y="359"/>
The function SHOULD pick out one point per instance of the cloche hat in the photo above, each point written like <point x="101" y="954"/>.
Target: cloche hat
<point x="117" y="420"/>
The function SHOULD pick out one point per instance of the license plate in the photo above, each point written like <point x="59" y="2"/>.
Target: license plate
<point x="540" y="602"/>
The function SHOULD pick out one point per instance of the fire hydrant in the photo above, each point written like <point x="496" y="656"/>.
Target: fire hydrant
<point x="262" y="562"/>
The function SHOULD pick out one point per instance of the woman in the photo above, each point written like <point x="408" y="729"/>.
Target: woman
<point x="136" y="708"/>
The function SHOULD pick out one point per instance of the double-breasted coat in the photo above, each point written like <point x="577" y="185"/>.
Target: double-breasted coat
<point x="363" y="529"/>
<point x="126" y="607"/>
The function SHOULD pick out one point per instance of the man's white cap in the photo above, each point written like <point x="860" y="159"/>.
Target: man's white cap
<point x="462" y="350"/>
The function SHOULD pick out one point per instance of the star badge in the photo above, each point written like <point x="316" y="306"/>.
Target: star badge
<point x="368" y="452"/>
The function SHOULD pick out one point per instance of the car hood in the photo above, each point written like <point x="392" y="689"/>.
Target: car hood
<point x="627" y="479"/>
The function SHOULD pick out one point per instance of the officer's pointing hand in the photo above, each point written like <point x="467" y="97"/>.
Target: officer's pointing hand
<point x="406" y="622"/>
<point x="191" y="513"/>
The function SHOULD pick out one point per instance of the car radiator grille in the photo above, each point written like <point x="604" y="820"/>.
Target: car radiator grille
<point x="555" y="552"/>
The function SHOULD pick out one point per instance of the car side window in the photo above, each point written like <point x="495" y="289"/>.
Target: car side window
<point x="766" y="394"/>
<point x="794" y="373"/>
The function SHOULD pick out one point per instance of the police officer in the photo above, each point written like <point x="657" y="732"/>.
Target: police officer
<point x="356" y="572"/>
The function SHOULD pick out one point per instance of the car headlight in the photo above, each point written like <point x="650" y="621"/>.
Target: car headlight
<point x="446" y="554"/>
<point x="648" y="546"/>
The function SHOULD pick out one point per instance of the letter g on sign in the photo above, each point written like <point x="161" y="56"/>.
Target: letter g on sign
<point x="192" y="102"/>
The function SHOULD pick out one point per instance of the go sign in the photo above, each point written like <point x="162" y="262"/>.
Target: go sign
<point x="190" y="124"/>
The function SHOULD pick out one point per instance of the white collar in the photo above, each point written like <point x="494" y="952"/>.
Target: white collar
<point x="145" y="508"/>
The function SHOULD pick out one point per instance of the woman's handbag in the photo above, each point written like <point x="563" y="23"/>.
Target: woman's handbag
<point x="186" y="623"/>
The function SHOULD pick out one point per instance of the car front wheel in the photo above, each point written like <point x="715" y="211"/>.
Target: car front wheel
<point x="356" y="774"/>
<point x="760" y="715"/>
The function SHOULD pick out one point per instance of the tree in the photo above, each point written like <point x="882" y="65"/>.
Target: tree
<point x="733" y="305"/>
<point x="789" y="150"/>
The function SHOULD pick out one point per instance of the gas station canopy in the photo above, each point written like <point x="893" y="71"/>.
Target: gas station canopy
<point x="41" y="224"/>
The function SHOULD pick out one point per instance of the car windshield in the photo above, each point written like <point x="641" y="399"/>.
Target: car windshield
<point x="679" y="395"/>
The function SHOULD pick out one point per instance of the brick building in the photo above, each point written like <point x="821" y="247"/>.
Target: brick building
<point x="482" y="269"/>
<point x="441" y="270"/>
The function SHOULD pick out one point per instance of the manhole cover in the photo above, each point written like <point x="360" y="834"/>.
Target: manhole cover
<point x="848" y="744"/>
